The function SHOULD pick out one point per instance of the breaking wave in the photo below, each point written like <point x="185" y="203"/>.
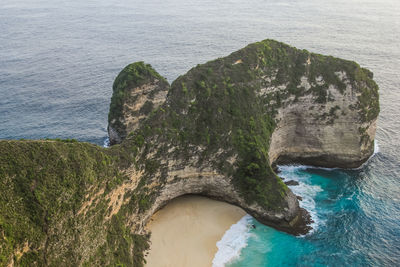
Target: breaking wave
<point x="233" y="241"/>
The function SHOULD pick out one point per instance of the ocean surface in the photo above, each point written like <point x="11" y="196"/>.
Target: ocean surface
<point x="58" y="60"/>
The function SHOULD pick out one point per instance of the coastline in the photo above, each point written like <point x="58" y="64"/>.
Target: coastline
<point x="186" y="231"/>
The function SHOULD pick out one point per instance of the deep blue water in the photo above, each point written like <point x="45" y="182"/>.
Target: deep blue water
<point x="58" y="60"/>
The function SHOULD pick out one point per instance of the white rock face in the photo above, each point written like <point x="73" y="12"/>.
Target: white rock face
<point x="184" y="178"/>
<point x="139" y="102"/>
<point x="322" y="134"/>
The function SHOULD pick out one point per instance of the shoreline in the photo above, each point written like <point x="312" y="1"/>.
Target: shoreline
<point x="185" y="232"/>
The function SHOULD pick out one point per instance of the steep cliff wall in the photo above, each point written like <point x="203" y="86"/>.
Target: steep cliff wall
<point x="226" y="122"/>
<point x="331" y="122"/>
<point x="216" y="131"/>
<point x="137" y="90"/>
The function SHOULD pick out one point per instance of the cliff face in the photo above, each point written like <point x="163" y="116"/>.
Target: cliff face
<point x="56" y="202"/>
<point x="226" y="122"/>
<point x="216" y="131"/>
<point x="129" y="108"/>
<point x="336" y="129"/>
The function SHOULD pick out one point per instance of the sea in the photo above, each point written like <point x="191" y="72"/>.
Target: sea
<point x="58" y="60"/>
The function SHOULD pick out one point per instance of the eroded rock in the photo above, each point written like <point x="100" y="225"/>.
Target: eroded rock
<point x="218" y="131"/>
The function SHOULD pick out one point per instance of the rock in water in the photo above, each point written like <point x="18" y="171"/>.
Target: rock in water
<point x="291" y="182"/>
<point x="217" y="131"/>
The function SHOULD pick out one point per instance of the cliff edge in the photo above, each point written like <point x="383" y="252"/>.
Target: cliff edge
<point x="217" y="131"/>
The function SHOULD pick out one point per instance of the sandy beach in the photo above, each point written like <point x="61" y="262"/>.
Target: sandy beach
<point x="185" y="232"/>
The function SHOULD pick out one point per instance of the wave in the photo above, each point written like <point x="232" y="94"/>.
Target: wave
<point x="106" y="142"/>
<point x="233" y="241"/>
<point x="304" y="167"/>
<point x="307" y="191"/>
<point x="376" y="148"/>
<point x="376" y="151"/>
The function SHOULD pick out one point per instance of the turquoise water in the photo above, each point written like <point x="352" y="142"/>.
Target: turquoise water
<point x="58" y="60"/>
<point x="356" y="222"/>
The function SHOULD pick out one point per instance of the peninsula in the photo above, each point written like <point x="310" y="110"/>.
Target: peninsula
<point x="217" y="131"/>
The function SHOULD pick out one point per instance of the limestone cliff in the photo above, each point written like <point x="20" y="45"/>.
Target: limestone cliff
<point x="333" y="125"/>
<point x="128" y="108"/>
<point x="216" y="131"/>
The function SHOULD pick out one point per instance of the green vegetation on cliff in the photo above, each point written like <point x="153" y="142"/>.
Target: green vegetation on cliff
<point x="215" y="106"/>
<point x="68" y="203"/>
<point x="133" y="75"/>
<point x="44" y="184"/>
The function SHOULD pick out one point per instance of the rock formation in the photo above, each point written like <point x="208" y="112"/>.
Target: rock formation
<point x="130" y="107"/>
<point x="217" y="131"/>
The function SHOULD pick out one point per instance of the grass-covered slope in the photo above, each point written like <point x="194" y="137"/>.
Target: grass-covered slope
<point x="44" y="185"/>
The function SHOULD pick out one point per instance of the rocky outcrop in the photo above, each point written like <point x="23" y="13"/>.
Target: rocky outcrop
<point x="225" y="123"/>
<point x="217" y="131"/>
<point x="331" y="133"/>
<point x="137" y="90"/>
<point x="183" y="180"/>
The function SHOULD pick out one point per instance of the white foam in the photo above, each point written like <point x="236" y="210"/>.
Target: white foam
<point x="307" y="191"/>
<point x="376" y="148"/>
<point x="376" y="151"/>
<point x="292" y="168"/>
<point x="106" y="142"/>
<point x="233" y="241"/>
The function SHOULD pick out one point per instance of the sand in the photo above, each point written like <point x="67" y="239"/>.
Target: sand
<point x="185" y="232"/>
